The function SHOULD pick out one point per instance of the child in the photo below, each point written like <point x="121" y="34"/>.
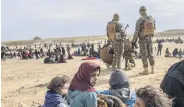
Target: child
<point x="120" y="87"/>
<point x="81" y="91"/>
<point x="151" y="97"/>
<point x="56" y="94"/>
<point x="128" y="55"/>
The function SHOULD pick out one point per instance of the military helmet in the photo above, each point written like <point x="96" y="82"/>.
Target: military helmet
<point x="142" y="8"/>
<point x="115" y="17"/>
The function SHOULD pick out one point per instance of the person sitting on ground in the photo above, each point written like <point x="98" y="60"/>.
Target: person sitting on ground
<point x="56" y="95"/>
<point x="69" y="55"/>
<point x="173" y="83"/>
<point x="120" y="87"/>
<point x="47" y="60"/>
<point x="81" y="90"/>
<point x="52" y="58"/>
<point x="167" y="53"/>
<point x="175" y="52"/>
<point x="148" y="96"/>
<point x="180" y="54"/>
<point x="62" y="59"/>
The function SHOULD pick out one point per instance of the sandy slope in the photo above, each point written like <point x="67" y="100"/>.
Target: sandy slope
<point x="24" y="81"/>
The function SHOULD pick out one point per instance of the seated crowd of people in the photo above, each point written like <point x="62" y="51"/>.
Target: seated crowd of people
<point x="176" y="53"/>
<point x="175" y="40"/>
<point x="87" y="50"/>
<point x="81" y="91"/>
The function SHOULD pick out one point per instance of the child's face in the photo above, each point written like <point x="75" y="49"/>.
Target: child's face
<point x="94" y="77"/>
<point x="63" y="90"/>
<point x="139" y="102"/>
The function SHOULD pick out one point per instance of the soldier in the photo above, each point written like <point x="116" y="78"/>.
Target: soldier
<point x="145" y="27"/>
<point x="128" y="55"/>
<point x="116" y="35"/>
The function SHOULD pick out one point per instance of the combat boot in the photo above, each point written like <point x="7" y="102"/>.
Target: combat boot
<point x="145" y="72"/>
<point x="118" y="66"/>
<point x="132" y="65"/>
<point x="108" y="66"/>
<point x="152" y="69"/>
<point x="129" y="66"/>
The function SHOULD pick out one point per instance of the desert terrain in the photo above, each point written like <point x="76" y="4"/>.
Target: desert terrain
<point x="24" y="81"/>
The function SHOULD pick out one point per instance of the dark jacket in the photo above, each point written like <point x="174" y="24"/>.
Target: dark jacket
<point x="52" y="99"/>
<point x="173" y="84"/>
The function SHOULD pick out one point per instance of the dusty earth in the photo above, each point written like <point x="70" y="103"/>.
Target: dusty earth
<point x="24" y="81"/>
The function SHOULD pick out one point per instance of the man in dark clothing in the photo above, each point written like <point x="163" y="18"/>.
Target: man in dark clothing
<point x="63" y="50"/>
<point x="173" y="84"/>
<point x="159" y="47"/>
<point x="36" y="54"/>
<point x="41" y="50"/>
<point x="69" y="54"/>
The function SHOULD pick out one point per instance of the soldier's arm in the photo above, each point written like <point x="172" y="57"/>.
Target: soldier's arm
<point x="137" y="30"/>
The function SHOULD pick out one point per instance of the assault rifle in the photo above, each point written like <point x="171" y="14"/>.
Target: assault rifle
<point x="125" y="29"/>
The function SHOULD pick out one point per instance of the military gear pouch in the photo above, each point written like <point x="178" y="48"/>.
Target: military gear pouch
<point x="111" y="30"/>
<point x="148" y="26"/>
<point x="118" y="36"/>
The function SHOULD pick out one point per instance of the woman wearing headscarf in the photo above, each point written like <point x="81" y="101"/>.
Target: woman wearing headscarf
<point x="120" y="87"/>
<point x="81" y="91"/>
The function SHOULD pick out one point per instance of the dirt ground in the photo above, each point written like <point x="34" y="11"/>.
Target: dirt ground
<point x="24" y="81"/>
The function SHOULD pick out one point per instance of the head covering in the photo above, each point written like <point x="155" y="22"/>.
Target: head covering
<point x="115" y="17"/>
<point x="142" y="8"/>
<point x="118" y="80"/>
<point x="81" y="80"/>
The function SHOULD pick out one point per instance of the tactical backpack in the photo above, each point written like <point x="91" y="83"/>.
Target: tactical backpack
<point x="111" y="30"/>
<point x="106" y="54"/>
<point x="148" y="25"/>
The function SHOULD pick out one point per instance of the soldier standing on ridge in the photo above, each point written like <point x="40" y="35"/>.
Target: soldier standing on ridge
<point x="145" y="27"/>
<point x="116" y="35"/>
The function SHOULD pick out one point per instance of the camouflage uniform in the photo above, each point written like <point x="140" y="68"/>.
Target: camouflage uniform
<point x="117" y="45"/>
<point x="128" y="55"/>
<point x="145" y="43"/>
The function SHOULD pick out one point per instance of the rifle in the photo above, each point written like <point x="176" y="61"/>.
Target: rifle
<point x="127" y="25"/>
<point x="125" y="29"/>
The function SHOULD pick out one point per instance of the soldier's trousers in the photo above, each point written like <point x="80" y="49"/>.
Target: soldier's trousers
<point x="118" y="49"/>
<point x="129" y="60"/>
<point x="146" y="52"/>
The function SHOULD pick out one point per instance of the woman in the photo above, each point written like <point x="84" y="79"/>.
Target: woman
<point x="151" y="97"/>
<point x="175" y="52"/>
<point x="120" y="87"/>
<point x="81" y="91"/>
<point x="62" y="59"/>
<point x="55" y="96"/>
